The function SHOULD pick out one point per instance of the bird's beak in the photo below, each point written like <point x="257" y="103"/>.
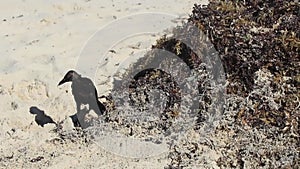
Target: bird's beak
<point x="62" y="82"/>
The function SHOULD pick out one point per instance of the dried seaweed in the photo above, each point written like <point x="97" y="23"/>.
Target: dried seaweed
<point x="258" y="43"/>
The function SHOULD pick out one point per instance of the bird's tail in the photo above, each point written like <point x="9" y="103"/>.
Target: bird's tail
<point x="101" y="107"/>
<point x="98" y="107"/>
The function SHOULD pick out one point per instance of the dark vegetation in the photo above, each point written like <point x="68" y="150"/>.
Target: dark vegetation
<point x="258" y="43"/>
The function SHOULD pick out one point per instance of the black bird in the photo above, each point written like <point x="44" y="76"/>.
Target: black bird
<point x="41" y="118"/>
<point x="84" y="92"/>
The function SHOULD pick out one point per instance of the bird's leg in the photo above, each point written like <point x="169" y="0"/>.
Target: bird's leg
<point x="75" y="120"/>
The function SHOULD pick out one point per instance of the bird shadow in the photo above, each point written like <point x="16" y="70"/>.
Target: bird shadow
<point x="40" y="117"/>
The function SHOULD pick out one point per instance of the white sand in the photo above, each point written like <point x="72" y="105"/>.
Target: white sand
<point x="40" y="42"/>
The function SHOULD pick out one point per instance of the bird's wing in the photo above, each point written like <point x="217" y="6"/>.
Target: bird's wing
<point x="90" y="87"/>
<point x="84" y="88"/>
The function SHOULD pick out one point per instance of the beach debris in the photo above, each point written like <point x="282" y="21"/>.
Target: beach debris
<point x="36" y="159"/>
<point x="258" y="43"/>
<point x="112" y="51"/>
<point x="14" y="105"/>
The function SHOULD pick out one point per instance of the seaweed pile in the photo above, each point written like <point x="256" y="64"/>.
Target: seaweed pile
<point x="257" y="36"/>
<point x="154" y="100"/>
<point x="258" y="43"/>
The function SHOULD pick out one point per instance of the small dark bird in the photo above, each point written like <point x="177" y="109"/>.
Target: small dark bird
<point x="84" y="92"/>
<point x="41" y="118"/>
